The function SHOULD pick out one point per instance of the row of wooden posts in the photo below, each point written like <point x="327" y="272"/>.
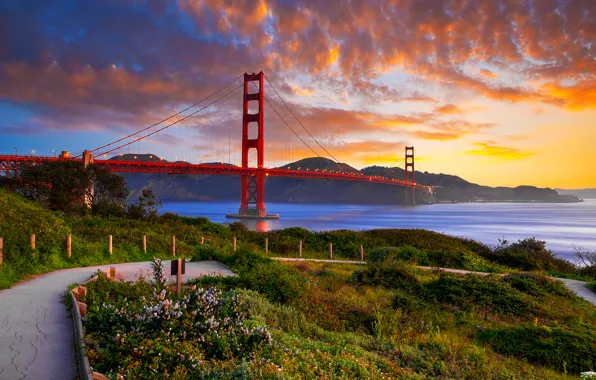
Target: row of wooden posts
<point x="69" y="246"/>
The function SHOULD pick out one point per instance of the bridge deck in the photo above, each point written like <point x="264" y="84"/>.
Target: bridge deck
<point x="9" y="163"/>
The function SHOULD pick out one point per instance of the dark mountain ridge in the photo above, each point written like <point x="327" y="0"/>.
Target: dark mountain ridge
<point x="448" y="188"/>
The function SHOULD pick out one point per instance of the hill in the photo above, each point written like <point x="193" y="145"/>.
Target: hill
<point x="580" y="193"/>
<point x="450" y="188"/>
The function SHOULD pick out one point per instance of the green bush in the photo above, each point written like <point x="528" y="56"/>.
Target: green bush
<point x="406" y="253"/>
<point x="259" y="273"/>
<point x="206" y="253"/>
<point x="278" y="282"/>
<point x="392" y="276"/>
<point x="570" y="348"/>
<point x="472" y="291"/>
<point x="538" y="286"/>
<point x="592" y="286"/>
<point x="529" y="254"/>
<point x="405" y="301"/>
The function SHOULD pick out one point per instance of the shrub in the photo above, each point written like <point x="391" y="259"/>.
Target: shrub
<point x="592" y="286"/>
<point x="206" y="253"/>
<point x="139" y="339"/>
<point x="391" y="276"/>
<point x="538" y="286"/>
<point x="406" y="253"/>
<point x="405" y="301"/>
<point x="472" y="290"/>
<point x="529" y="254"/>
<point x="278" y="282"/>
<point x="569" y="348"/>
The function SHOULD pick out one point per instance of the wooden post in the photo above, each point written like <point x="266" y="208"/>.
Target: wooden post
<point x="179" y="277"/>
<point x="266" y="246"/>
<point x="330" y="251"/>
<point x="1" y="246"/>
<point x="68" y="245"/>
<point x="300" y="249"/>
<point x="110" y="244"/>
<point x="361" y="253"/>
<point x="33" y="243"/>
<point x="234" y="243"/>
<point x="173" y="245"/>
<point x="144" y="243"/>
<point x="202" y="240"/>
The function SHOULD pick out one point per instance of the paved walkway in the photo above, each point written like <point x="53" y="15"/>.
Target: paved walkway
<point x="36" y="337"/>
<point x="576" y="286"/>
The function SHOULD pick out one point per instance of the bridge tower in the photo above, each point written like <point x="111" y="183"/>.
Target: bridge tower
<point x="410" y="170"/>
<point x="252" y="195"/>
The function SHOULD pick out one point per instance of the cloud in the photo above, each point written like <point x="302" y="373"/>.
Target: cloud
<point x="491" y="149"/>
<point x="488" y="74"/>
<point x="116" y="66"/>
<point x="448" y="109"/>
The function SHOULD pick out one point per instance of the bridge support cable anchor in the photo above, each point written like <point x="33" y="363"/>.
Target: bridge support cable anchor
<point x="252" y="192"/>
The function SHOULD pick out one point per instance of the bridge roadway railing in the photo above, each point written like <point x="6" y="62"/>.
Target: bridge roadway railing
<point x="9" y="163"/>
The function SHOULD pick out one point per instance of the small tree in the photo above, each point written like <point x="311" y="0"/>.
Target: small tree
<point x="585" y="257"/>
<point x="69" y="186"/>
<point x="146" y="207"/>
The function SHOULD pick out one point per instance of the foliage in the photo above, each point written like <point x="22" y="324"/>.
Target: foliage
<point x="66" y="185"/>
<point x="145" y="208"/>
<point x="142" y="337"/>
<point x="569" y="347"/>
<point x="159" y="275"/>
<point x="529" y="254"/>
<point x="592" y="286"/>
<point x="206" y="253"/>
<point x="481" y="291"/>
<point x="19" y="218"/>
<point x="537" y="285"/>
<point x="259" y="273"/>
<point x="394" y="275"/>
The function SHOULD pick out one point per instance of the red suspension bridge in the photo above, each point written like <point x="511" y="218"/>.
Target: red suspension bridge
<point x="252" y="200"/>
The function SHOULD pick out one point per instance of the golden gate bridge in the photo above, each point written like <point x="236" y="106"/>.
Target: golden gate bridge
<point x="252" y="195"/>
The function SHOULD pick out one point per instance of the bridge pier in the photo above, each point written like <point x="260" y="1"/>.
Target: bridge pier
<point x="252" y="193"/>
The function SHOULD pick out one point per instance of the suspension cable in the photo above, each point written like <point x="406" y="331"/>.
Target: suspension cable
<point x="288" y="125"/>
<point x="168" y="118"/>
<point x="177" y="121"/>
<point x="299" y="122"/>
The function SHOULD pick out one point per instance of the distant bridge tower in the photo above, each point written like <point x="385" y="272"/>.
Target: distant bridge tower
<point x="252" y="196"/>
<point x="410" y="170"/>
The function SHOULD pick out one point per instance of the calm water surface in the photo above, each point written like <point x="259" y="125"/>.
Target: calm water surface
<point x="560" y="225"/>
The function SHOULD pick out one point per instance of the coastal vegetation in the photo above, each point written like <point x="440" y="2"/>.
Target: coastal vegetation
<point x="308" y="320"/>
<point x="20" y="217"/>
<point x="387" y="319"/>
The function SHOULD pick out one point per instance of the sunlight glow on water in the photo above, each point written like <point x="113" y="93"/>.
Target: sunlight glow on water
<point x="560" y="225"/>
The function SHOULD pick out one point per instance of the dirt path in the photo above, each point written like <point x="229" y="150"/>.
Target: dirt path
<point x="36" y="337"/>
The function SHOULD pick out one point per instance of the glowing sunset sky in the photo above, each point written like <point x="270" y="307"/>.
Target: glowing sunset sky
<point x="499" y="92"/>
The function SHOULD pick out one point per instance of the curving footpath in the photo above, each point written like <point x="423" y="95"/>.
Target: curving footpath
<point x="36" y="336"/>
<point x="576" y="286"/>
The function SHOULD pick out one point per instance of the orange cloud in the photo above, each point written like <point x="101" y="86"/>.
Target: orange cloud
<point x="448" y="109"/>
<point x="491" y="149"/>
<point x="488" y="74"/>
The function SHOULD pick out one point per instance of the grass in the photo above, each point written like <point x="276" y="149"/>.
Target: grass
<point x="20" y="218"/>
<point x="386" y="321"/>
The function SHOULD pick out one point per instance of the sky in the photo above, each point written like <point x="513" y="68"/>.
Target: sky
<point x="499" y="92"/>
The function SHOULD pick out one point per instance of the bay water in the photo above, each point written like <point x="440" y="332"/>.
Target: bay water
<point x="561" y="225"/>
